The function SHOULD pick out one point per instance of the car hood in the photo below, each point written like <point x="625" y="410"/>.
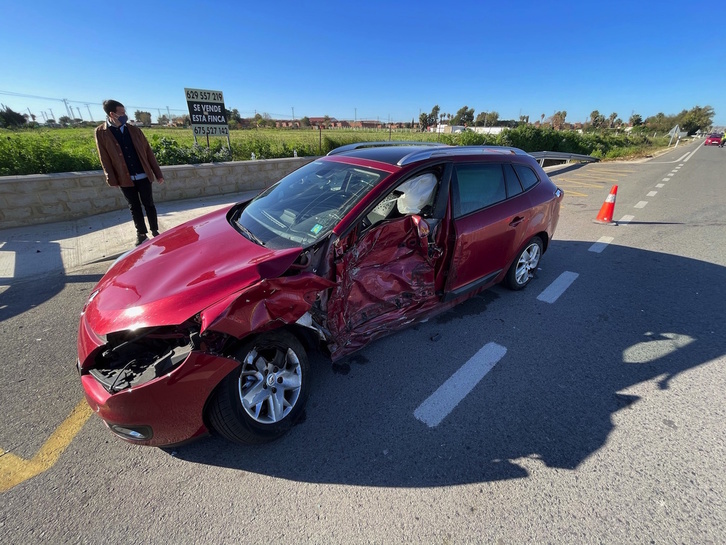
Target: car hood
<point x="172" y="277"/>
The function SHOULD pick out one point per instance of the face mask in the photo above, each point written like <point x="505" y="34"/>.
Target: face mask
<point x="122" y="119"/>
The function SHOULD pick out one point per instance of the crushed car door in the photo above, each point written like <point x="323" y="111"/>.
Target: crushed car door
<point x="385" y="277"/>
<point x="384" y="280"/>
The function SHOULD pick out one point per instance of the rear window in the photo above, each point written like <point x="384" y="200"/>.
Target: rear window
<point x="526" y="175"/>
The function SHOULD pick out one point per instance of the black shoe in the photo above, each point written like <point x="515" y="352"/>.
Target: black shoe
<point x="155" y="233"/>
<point x="141" y="238"/>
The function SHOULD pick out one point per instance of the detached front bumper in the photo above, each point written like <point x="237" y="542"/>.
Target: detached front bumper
<point x="164" y="411"/>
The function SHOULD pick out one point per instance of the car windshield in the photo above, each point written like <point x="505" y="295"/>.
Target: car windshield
<point x="306" y="205"/>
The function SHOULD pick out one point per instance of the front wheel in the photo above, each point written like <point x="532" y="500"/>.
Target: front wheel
<point x="522" y="270"/>
<point x="262" y="399"/>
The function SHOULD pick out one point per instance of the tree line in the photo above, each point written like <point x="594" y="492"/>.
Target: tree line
<point x="691" y="121"/>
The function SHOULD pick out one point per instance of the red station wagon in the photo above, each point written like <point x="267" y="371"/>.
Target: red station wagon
<point x="205" y="327"/>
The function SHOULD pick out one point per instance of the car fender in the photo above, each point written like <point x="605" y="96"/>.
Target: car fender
<point x="266" y="305"/>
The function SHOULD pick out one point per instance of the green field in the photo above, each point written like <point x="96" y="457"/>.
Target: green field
<point x="44" y="151"/>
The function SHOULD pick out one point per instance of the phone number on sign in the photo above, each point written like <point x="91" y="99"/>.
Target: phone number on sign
<point x="204" y="95"/>
<point x="211" y="131"/>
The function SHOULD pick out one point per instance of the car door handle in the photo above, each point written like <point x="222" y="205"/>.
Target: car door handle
<point x="516" y="221"/>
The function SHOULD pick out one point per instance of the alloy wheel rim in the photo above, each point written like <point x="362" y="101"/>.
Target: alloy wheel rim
<point x="527" y="263"/>
<point x="270" y="383"/>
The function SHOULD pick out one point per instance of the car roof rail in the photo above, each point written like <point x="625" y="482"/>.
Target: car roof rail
<point x="457" y="150"/>
<point x="361" y="145"/>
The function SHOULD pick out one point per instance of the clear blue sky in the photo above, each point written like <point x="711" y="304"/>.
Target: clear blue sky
<point x="370" y="60"/>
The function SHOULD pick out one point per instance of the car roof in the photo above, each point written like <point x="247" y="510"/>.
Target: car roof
<point x="403" y="153"/>
<point x="385" y="152"/>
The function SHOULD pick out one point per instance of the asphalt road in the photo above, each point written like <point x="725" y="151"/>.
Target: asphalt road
<point x="602" y="421"/>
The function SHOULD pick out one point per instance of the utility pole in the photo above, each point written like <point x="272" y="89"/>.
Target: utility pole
<point x="52" y="116"/>
<point x="79" y="113"/>
<point x="355" y="114"/>
<point x="90" y="116"/>
<point x="68" y="110"/>
<point x="293" y="114"/>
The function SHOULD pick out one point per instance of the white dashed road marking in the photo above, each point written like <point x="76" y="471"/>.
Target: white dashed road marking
<point x="558" y="287"/>
<point x="600" y="245"/>
<point x="666" y="180"/>
<point x="444" y="400"/>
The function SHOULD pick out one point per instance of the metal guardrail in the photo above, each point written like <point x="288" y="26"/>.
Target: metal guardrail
<point x="541" y="156"/>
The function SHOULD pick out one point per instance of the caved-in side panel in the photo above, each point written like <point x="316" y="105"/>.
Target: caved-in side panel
<point x="384" y="281"/>
<point x="266" y="305"/>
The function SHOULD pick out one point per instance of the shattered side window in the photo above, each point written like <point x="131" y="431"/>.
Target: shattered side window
<point x="414" y="196"/>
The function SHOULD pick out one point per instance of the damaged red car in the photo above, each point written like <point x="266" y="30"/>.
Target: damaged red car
<point x="207" y="326"/>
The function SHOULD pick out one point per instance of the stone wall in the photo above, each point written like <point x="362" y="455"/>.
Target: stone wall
<point x="46" y="198"/>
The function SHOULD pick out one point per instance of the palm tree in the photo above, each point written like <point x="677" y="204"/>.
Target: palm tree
<point x="612" y="118"/>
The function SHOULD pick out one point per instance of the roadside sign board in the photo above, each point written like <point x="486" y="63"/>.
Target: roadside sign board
<point x="206" y="111"/>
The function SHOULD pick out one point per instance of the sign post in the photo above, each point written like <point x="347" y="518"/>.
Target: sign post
<point x="207" y="114"/>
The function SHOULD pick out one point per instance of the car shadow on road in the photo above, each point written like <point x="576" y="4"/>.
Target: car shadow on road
<point x="38" y="276"/>
<point x="569" y="368"/>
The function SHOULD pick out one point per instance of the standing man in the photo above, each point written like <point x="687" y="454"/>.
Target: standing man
<point x="129" y="163"/>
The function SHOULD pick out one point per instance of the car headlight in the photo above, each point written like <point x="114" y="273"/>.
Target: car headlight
<point x="131" y="358"/>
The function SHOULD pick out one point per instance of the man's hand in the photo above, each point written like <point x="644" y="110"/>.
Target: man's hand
<point x="160" y="180"/>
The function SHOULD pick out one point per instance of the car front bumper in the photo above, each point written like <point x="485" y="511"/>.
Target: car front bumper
<point x="165" y="411"/>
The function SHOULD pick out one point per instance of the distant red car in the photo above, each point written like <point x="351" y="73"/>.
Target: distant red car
<point x="207" y="326"/>
<point x="713" y="140"/>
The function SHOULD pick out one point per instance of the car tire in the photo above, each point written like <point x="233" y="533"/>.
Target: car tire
<point x="522" y="270"/>
<point x="261" y="400"/>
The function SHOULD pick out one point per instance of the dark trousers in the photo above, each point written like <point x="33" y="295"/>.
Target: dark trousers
<point x="136" y="196"/>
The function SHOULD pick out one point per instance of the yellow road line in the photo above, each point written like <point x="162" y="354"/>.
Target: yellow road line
<point x="581" y="184"/>
<point x="15" y="470"/>
<point x="596" y="177"/>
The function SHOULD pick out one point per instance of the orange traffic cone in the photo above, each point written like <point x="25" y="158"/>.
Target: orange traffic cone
<point x="605" y="216"/>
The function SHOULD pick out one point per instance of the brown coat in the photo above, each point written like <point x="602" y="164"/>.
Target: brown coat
<point x="112" y="158"/>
